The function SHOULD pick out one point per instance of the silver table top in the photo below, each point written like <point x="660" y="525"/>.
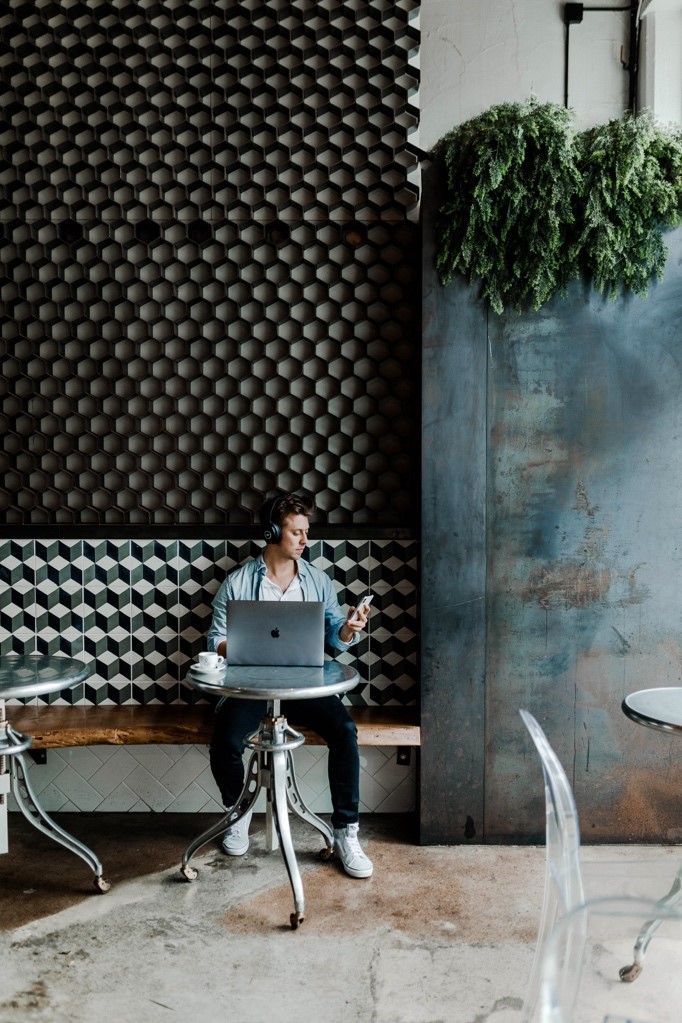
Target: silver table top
<point x="266" y="683"/>
<point x="27" y="675"/>
<point x="656" y="708"/>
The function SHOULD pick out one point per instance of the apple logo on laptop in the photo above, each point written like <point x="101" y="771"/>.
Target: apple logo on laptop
<point x="274" y="633"/>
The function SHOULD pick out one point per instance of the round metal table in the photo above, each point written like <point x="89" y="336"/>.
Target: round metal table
<point x="656" y="708"/>
<point x="24" y="676"/>
<point x="271" y="765"/>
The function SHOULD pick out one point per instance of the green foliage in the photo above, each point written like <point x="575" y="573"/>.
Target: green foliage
<point x="529" y="203"/>
<point x="632" y="183"/>
<point x="511" y="180"/>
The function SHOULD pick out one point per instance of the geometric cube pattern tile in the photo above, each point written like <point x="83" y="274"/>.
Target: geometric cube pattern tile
<point x="178" y="779"/>
<point x="209" y="266"/>
<point x="138" y="611"/>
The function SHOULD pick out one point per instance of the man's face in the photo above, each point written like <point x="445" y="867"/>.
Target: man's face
<point x="294" y="536"/>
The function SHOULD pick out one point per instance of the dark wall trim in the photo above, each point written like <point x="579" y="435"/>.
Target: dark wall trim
<point x="217" y="532"/>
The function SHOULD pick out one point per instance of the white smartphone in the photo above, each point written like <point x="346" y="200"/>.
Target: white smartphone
<point x="362" y="606"/>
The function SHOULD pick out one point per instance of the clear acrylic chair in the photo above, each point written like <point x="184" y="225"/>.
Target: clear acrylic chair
<point x="579" y="969"/>
<point x="564" y="889"/>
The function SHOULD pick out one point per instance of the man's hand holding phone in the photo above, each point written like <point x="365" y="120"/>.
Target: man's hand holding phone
<point x="357" y="619"/>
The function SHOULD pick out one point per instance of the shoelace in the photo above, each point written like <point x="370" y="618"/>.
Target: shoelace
<point x="236" y="829"/>
<point x="353" y="843"/>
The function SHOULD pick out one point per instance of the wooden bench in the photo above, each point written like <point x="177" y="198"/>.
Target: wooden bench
<point x="61" y="727"/>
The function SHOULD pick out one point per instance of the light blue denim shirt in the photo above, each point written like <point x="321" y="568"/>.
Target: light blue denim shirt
<point x="245" y="583"/>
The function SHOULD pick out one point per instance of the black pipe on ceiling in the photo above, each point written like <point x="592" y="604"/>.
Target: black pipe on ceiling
<point x="573" y="15"/>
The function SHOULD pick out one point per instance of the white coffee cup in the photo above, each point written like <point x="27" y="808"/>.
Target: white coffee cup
<point x="209" y="661"/>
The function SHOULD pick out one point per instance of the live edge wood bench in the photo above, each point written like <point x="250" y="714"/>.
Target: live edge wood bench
<point x="60" y="727"/>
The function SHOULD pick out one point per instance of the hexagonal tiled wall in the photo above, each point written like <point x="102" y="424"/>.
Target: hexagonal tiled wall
<point x="208" y="260"/>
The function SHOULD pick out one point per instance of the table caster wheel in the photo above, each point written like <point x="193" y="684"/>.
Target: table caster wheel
<point x="630" y="973"/>
<point x="326" y="854"/>
<point x="190" y="873"/>
<point x="101" y="885"/>
<point x="295" y="919"/>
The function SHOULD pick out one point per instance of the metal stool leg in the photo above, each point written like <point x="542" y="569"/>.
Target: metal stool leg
<point x="301" y="810"/>
<point x="278" y="760"/>
<point x="33" y="812"/>
<point x="4" y="793"/>
<point x="11" y="744"/>
<point x="250" y="791"/>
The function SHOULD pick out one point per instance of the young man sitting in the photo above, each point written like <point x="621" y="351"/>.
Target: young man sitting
<point x="281" y="574"/>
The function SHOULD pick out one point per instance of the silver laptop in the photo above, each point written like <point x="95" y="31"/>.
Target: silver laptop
<point x="275" y="632"/>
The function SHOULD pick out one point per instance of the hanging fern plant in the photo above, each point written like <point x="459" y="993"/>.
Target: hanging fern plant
<point x="632" y="183"/>
<point x="529" y="203"/>
<point x="511" y="182"/>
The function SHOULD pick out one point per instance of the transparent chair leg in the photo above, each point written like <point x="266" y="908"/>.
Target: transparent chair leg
<point x="31" y="809"/>
<point x="245" y="802"/>
<point x="281" y="815"/>
<point x="302" y="811"/>
<point x="548" y="918"/>
<point x="632" y="972"/>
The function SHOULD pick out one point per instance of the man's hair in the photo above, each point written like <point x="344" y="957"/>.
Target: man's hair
<point x="293" y="504"/>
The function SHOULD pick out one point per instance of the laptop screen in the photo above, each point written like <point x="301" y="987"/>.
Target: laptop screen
<point x="275" y="632"/>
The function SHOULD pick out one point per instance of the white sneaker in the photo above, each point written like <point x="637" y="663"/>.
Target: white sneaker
<point x="347" y="848"/>
<point x="236" y="839"/>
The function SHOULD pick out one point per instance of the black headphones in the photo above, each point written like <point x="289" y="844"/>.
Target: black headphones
<point x="270" y="525"/>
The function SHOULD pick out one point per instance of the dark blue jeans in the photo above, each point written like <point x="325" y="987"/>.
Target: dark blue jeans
<point x="327" y="716"/>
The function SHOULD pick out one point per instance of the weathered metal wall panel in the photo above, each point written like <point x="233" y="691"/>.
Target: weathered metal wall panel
<point x="453" y="566"/>
<point x="585" y="556"/>
<point x="581" y="539"/>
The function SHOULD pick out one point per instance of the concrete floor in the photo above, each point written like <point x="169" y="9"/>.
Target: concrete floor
<point x="437" y="934"/>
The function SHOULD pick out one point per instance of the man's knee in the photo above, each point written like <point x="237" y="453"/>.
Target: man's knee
<point x="345" y="733"/>
<point x="226" y="747"/>
<point x="227" y="740"/>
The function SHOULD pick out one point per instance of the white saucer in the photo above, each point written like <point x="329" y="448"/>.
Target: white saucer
<point x="196" y="670"/>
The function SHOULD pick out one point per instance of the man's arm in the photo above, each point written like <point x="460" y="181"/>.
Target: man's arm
<point x="241" y="584"/>
<point x="215" y="639"/>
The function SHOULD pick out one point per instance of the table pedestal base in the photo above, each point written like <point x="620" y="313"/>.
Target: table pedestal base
<point x="14" y="774"/>
<point x="271" y="767"/>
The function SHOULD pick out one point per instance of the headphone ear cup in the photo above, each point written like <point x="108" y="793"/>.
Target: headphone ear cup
<point x="272" y="531"/>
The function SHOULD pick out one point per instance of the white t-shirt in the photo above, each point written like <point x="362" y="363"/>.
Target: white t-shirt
<point x="269" y="590"/>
